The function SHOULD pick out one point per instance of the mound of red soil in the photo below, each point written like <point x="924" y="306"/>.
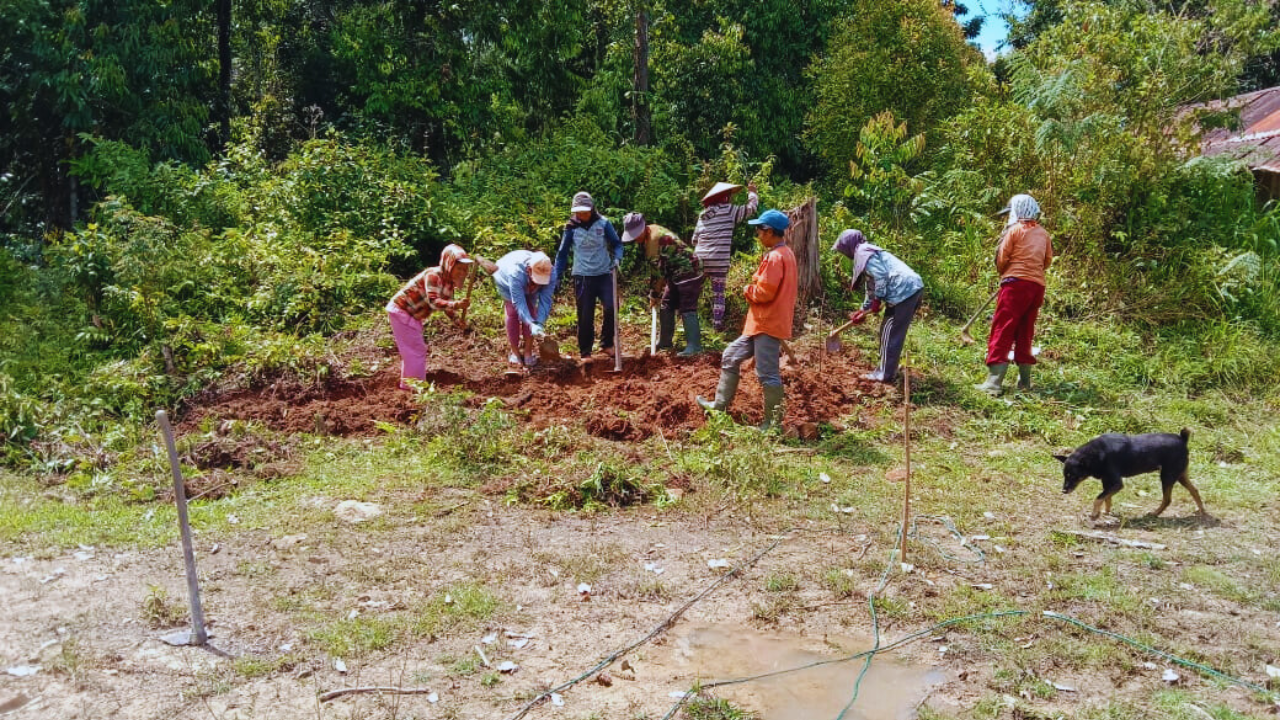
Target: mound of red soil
<point x="651" y="394"/>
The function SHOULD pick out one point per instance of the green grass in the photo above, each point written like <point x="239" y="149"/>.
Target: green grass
<point x="348" y="638"/>
<point x="457" y="606"/>
<point x="705" y="708"/>
<point x="972" y="455"/>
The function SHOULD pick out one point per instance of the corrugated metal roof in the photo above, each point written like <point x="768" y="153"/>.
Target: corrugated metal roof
<point x="1257" y="142"/>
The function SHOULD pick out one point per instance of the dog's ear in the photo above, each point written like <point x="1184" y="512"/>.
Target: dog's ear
<point x="1061" y="458"/>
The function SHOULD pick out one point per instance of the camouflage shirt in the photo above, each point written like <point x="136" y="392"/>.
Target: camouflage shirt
<point x="669" y="257"/>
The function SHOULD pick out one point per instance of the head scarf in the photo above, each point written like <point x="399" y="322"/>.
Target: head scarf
<point x="853" y="245"/>
<point x="1022" y="207"/>
<point x="450" y="256"/>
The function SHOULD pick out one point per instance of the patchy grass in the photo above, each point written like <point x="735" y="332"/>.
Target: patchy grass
<point x="355" y="637"/>
<point x="708" y="708"/>
<point x="982" y="464"/>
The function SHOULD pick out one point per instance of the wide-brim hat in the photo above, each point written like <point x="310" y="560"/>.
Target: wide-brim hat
<point x="721" y="188"/>
<point x="633" y="226"/>
<point x="540" y="268"/>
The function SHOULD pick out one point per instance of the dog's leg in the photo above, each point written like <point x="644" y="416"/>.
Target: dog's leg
<point x="1195" y="494"/>
<point x="1110" y="486"/>
<point x="1164" y="502"/>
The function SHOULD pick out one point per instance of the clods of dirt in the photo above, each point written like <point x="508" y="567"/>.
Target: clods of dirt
<point x="651" y="395"/>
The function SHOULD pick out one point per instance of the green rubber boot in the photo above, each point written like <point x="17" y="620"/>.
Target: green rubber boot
<point x="725" y="391"/>
<point x="773" y="396"/>
<point x="666" y="328"/>
<point x="1024" y="378"/>
<point x="994" y="384"/>
<point x="692" y="335"/>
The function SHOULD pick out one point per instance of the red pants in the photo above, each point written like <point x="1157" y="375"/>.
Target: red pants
<point x="1014" y="324"/>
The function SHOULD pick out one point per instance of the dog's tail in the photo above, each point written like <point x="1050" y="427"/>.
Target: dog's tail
<point x="1186" y="435"/>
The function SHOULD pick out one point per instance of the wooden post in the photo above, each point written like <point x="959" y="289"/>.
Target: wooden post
<point x="906" y="443"/>
<point x="198" y="634"/>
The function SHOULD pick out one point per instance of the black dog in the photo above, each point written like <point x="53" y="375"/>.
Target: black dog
<point x="1113" y="456"/>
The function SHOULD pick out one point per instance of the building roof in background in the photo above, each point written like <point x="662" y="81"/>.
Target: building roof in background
<point x="1257" y="142"/>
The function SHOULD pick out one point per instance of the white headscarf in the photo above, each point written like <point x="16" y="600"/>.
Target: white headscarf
<point x="1022" y="207"/>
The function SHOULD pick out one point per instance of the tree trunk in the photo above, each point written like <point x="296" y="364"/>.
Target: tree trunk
<point x="802" y="238"/>
<point x="223" y="112"/>
<point x="640" y="86"/>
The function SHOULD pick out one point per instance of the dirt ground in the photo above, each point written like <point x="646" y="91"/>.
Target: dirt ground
<point x="79" y="619"/>
<point x="651" y="392"/>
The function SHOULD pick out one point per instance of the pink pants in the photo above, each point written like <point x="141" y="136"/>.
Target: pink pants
<point x="516" y="329"/>
<point x="409" y="341"/>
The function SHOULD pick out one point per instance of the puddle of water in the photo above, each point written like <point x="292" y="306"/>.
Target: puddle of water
<point x="889" y="691"/>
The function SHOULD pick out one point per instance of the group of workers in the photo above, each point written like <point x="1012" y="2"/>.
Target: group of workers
<point x="526" y="281"/>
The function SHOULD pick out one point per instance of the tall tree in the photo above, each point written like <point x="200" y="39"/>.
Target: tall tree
<point x="640" y="84"/>
<point x="905" y="56"/>
<point x="223" y="108"/>
<point x="131" y="70"/>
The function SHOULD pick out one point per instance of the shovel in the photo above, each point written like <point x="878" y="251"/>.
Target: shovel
<point x="653" y="332"/>
<point x="617" y="327"/>
<point x="833" y="344"/>
<point x="548" y="350"/>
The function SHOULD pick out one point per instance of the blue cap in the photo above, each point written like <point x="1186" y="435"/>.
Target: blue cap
<point x="773" y="219"/>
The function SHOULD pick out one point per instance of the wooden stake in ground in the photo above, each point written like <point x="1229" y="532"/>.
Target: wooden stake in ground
<point x="906" y="443"/>
<point x="197" y="634"/>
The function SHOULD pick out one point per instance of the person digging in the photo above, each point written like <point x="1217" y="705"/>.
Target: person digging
<point x="428" y="291"/>
<point x="771" y="304"/>
<point x="887" y="282"/>
<point x="524" y="281"/>
<point x="1022" y="257"/>
<point x="675" y="281"/>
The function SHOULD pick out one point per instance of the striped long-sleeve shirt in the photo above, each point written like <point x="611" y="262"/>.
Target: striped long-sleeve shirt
<point x="713" y="236"/>
<point x="431" y="289"/>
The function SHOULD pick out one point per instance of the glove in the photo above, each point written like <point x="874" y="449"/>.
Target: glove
<point x="858" y="316"/>
<point x="538" y="330"/>
<point x="875" y="306"/>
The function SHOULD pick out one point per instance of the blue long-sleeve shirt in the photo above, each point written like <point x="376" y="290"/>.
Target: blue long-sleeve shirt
<point x="512" y="279"/>
<point x="889" y="279"/>
<point x="595" y="248"/>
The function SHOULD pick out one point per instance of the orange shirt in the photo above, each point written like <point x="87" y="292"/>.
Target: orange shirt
<point x="1025" y="253"/>
<point x="771" y="296"/>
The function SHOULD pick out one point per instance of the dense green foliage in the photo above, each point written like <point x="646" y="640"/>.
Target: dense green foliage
<point x="139" y="261"/>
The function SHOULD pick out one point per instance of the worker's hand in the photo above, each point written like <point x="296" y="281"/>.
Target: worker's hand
<point x="875" y="306"/>
<point x="462" y="304"/>
<point x="751" y="186"/>
<point x="857" y="316"/>
<point x="538" y="330"/>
